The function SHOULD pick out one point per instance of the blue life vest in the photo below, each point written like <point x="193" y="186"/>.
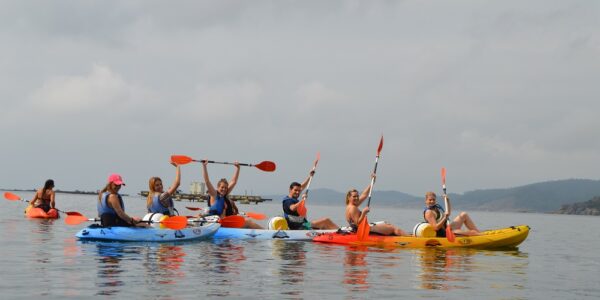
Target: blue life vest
<point x="158" y="208"/>
<point x="103" y="207"/>
<point x="108" y="216"/>
<point x="217" y="207"/>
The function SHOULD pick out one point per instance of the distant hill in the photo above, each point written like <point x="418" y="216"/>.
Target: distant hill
<point x="590" y="207"/>
<point x="546" y="196"/>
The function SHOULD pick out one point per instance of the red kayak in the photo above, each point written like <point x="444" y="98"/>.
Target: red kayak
<point x="36" y="212"/>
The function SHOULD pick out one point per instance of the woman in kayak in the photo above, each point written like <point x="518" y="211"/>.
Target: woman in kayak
<point x="436" y="217"/>
<point x="219" y="203"/>
<point x="44" y="197"/>
<point x="111" y="209"/>
<point x="160" y="201"/>
<point x="354" y="215"/>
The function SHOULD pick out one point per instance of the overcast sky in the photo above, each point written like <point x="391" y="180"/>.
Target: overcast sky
<point x="501" y="93"/>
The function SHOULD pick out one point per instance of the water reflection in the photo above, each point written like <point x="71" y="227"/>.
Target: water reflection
<point x="356" y="269"/>
<point x="163" y="263"/>
<point x="42" y="233"/>
<point x="446" y="269"/>
<point x="222" y="267"/>
<point x="291" y="269"/>
<point x="109" y="269"/>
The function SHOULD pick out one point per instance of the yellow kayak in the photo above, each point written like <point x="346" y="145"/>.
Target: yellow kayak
<point x="508" y="237"/>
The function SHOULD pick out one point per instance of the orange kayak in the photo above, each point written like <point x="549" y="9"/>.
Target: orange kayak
<point x="36" y="212"/>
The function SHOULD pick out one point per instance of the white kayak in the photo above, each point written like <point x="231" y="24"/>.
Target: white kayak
<point x="266" y="234"/>
<point x="137" y="234"/>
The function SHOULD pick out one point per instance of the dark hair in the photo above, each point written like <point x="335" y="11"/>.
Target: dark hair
<point x="49" y="184"/>
<point x="293" y="184"/>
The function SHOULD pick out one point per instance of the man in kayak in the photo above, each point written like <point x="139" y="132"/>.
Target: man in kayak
<point x="290" y="206"/>
<point x="436" y="217"/>
<point x="160" y="201"/>
<point x="354" y="215"/>
<point x="44" y="197"/>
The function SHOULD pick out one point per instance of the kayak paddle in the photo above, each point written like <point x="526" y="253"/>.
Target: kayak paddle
<point x="267" y="166"/>
<point x="363" y="227"/>
<point x="253" y="215"/>
<point x="235" y="221"/>
<point x="301" y="208"/>
<point x="449" y="233"/>
<point x="175" y="223"/>
<point x="13" y="197"/>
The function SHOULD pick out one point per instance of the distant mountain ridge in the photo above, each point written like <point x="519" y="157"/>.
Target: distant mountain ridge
<point x="590" y="208"/>
<point x="548" y="196"/>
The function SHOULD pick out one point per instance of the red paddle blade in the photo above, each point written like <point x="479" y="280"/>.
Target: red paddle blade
<point x="380" y="146"/>
<point x="181" y="159"/>
<point x="75" y="219"/>
<point x="256" y="216"/>
<point x="175" y="223"/>
<point x="317" y="160"/>
<point x="363" y="230"/>
<point x="444" y="176"/>
<point x="267" y="166"/>
<point x="193" y="208"/>
<point x="73" y="213"/>
<point x="233" y="221"/>
<point x="11" y="196"/>
<point x="450" y="234"/>
<point x="301" y="208"/>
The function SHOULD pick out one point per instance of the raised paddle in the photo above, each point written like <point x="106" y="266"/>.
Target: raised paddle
<point x="449" y="233"/>
<point x="13" y="197"/>
<point x="267" y="166"/>
<point x="253" y="215"/>
<point x="301" y="208"/>
<point x="175" y="223"/>
<point x="363" y="227"/>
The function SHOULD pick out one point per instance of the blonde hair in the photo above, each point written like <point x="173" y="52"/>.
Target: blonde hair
<point x="348" y="195"/>
<point x="107" y="188"/>
<point x="151" y="190"/>
<point x="430" y="194"/>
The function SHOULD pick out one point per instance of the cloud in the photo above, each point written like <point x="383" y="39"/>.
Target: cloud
<point x="101" y="90"/>
<point x="223" y="101"/>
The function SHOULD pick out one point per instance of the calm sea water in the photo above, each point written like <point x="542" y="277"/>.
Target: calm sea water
<point x="558" y="260"/>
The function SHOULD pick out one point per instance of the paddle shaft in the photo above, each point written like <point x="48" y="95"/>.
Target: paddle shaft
<point x="11" y="196"/>
<point x="449" y="233"/>
<point x="224" y="163"/>
<point x="311" y="176"/>
<point x="446" y="204"/>
<point x="363" y="227"/>
<point x="373" y="179"/>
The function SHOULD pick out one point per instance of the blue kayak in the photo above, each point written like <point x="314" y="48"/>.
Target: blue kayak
<point x="266" y="234"/>
<point x="137" y="234"/>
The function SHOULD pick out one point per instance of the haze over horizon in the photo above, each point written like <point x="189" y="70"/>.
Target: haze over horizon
<point x="502" y="94"/>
